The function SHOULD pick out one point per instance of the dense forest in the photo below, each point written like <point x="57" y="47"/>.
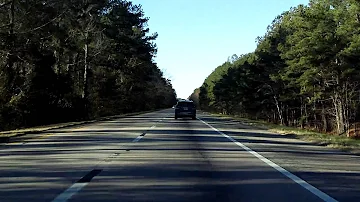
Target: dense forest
<point x="65" y="60"/>
<point x="195" y="97"/>
<point x="305" y="71"/>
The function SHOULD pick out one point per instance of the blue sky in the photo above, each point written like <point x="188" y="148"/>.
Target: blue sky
<point x="196" y="36"/>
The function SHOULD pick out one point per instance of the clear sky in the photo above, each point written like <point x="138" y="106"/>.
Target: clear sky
<point x="196" y="36"/>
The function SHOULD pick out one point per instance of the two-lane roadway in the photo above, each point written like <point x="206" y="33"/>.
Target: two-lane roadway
<point x="153" y="157"/>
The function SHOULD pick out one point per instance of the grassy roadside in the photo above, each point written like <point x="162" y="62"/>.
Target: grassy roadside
<point x="339" y="142"/>
<point x="5" y="136"/>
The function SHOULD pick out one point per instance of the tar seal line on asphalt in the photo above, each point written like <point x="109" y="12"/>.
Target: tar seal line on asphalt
<point x="288" y="174"/>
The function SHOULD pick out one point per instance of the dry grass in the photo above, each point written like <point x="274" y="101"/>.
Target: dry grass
<point x="339" y="142"/>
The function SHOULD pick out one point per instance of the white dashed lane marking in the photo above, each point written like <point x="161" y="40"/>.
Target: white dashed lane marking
<point x="83" y="182"/>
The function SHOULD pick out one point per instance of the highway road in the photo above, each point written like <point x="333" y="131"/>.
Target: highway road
<point x="153" y="157"/>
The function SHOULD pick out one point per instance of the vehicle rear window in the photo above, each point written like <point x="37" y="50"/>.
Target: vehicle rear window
<point x="185" y="104"/>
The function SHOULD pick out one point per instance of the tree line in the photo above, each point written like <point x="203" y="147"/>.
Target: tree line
<point x="65" y="60"/>
<point x="304" y="71"/>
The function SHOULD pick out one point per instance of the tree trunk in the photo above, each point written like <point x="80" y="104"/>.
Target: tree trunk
<point x="338" y="105"/>
<point x="341" y="118"/>
<point x="280" y="114"/>
<point x="324" y="120"/>
<point x="306" y="114"/>
<point x="10" y="57"/>
<point x="295" y="124"/>
<point x="346" y="108"/>
<point x="301" y="112"/>
<point x="315" y="117"/>
<point x="57" y="63"/>
<point x="84" y="94"/>
<point x="86" y="66"/>
<point x="274" y="117"/>
<point x="336" y="115"/>
<point x="287" y="115"/>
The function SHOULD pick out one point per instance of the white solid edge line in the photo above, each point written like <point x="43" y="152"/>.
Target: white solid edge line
<point x="288" y="174"/>
<point x="67" y="194"/>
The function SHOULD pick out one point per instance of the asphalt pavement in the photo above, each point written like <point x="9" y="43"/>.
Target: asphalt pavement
<point x="153" y="157"/>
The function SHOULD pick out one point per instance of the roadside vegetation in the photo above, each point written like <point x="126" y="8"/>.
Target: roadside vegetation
<point x="303" y="76"/>
<point x="71" y="60"/>
<point x="333" y="141"/>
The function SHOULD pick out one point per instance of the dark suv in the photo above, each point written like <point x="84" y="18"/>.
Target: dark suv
<point x="185" y="108"/>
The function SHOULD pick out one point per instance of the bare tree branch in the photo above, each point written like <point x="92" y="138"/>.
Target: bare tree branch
<point x="5" y="4"/>
<point x="5" y="25"/>
<point x="37" y="28"/>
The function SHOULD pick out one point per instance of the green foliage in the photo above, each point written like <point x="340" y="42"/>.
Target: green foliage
<point x="72" y="60"/>
<point x="206" y="95"/>
<point x="195" y="97"/>
<point x="304" y="71"/>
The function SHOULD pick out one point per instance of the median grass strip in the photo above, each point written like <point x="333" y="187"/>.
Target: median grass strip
<point x="334" y="141"/>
